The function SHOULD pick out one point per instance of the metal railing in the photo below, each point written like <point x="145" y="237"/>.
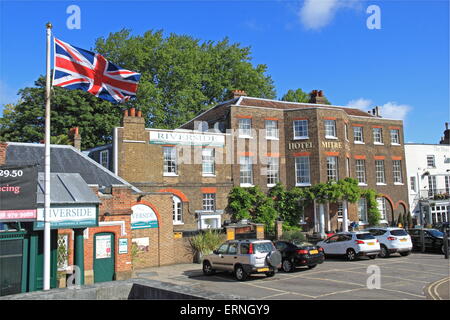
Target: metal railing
<point x="434" y="194"/>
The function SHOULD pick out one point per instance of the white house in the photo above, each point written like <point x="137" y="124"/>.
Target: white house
<point x="428" y="170"/>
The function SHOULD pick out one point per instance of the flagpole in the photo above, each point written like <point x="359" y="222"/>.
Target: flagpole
<point x="47" y="166"/>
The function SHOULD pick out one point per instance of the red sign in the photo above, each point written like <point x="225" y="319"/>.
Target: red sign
<point x="18" y="214"/>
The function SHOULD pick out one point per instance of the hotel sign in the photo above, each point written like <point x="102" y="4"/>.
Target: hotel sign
<point x="187" y="138"/>
<point x="300" y="145"/>
<point x="332" y="144"/>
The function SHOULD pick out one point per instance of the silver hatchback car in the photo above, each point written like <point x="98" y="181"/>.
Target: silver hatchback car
<point x="244" y="257"/>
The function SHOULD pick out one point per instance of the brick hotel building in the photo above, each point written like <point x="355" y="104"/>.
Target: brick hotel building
<point x="250" y="141"/>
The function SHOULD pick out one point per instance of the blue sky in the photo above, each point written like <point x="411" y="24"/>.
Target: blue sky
<point x="313" y="44"/>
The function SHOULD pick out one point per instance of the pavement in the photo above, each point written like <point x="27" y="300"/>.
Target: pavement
<point x="418" y="276"/>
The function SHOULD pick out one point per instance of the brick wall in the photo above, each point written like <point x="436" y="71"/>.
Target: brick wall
<point x="3" y="147"/>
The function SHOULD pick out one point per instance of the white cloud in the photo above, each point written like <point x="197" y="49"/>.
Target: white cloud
<point x="360" y="103"/>
<point x="391" y="109"/>
<point x="316" y="14"/>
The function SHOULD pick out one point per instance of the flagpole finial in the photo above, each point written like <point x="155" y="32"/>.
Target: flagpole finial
<point x="49" y="25"/>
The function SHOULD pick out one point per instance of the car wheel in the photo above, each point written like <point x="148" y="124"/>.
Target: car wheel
<point x="404" y="254"/>
<point x="240" y="273"/>
<point x="287" y="265"/>
<point x="350" y="255"/>
<point x="207" y="268"/>
<point x="384" y="252"/>
<point x="443" y="249"/>
<point x="374" y="256"/>
<point x="270" y="274"/>
<point x="312" y="266"/>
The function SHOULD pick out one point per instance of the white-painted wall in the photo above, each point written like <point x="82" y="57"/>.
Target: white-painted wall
<point x="416" y="166"/>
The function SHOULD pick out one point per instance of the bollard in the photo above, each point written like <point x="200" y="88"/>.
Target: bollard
<point x="445" y="239"/>
<point x="422" y="239"/>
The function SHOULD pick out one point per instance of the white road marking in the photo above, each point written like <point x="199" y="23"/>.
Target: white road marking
<point x="420" y="271"/>
<point x="403" y="292"/>
<point x="385" y="276"/>
<point x="278" y="290"/>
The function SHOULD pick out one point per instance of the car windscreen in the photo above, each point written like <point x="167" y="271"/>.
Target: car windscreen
<point x="399" y="232"/>
<point x="263" y="247"/>
<point x="364" y="236"/>
<point x="300" y="243"/>
<point x="435" y="233"/>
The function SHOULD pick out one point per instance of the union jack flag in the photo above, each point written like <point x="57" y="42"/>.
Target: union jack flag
<point x="76" y="68"/>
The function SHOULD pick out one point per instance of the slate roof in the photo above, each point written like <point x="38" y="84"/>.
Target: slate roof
<point x="63" y="159"/>
<point x="66" y="188"/>
<point x="266" y="103"/>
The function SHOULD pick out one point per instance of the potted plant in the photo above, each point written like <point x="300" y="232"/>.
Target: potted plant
<point x="205" y="242"/>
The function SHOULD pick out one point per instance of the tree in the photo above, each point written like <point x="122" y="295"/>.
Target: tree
<point x="25" y="121"/>
<point x="401" y="220"/>
<point x="252" y="203"/>
<point x="296" y="96"/>
<point x="409" y="219"/>
<point x="182" y="76"/>
<point x="374" y="215"/>
<point x="289" y="205"/>
<point x="299" y="96"/>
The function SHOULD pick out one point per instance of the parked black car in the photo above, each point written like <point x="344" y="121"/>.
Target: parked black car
<point x="296" y="254"/>
<point x="433" y="239"/>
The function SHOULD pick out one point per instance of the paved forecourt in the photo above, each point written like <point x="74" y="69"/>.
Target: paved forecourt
<point x="418" y="276"/>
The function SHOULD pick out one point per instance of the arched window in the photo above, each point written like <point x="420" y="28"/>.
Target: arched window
<point x="177" y="210"/>
<point x="382" y="207"/>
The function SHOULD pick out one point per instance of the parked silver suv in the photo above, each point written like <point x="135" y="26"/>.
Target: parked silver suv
<point x="244" y="257"/>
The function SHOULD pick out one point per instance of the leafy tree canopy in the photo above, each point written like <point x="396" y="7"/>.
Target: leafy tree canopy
<point x="181" y="77"/>
<point x="25" y="121"/>
<point x="299" y="95"/>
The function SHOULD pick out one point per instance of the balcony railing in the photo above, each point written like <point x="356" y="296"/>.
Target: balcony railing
<point x="435" y="194"/>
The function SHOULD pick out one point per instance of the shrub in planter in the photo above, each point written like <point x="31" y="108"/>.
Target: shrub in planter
<point x="293" y="235"/>
<point x="204" y="243"/>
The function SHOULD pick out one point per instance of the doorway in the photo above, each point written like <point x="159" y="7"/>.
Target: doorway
<point x="104" y="252"/>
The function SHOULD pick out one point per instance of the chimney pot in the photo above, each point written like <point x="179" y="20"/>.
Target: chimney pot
<point x="317" y="96"/>
<point x="132" y="112"/>
<point x="125" y="113"/>
<point x="139" y="113"/>
<point x="446" y="126"/>
<point x="238" y="93"/>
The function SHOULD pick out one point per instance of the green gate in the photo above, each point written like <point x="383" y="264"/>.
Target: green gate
<point x="36" y="272"/>
<point x="13" y="262"/>
<point x="104" y="252"/>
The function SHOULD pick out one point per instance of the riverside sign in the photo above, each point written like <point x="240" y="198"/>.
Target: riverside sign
<point x="72" y="216"/>
<point x="187" y="138"/>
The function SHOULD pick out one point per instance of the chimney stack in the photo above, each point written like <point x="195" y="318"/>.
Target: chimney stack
<point x="238" y="93"/>
<point x="3" y="146"/>
<point x="132" y="115"/>
<point x="75" y="136"/>
<point x="446" y="138"/>
<point x="317" y="97"/>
